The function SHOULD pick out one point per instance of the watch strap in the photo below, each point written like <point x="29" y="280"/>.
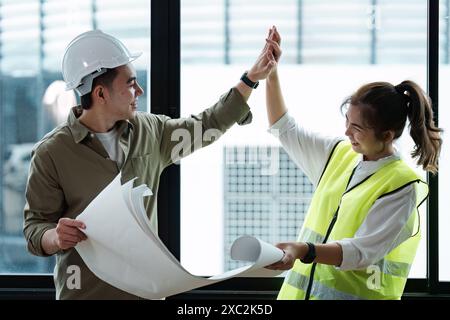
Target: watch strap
<point x="249" y="82"/>
<point x="310" y="254"/>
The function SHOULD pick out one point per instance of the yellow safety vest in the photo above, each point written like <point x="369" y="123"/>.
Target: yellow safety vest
<point x="336" y="214"/>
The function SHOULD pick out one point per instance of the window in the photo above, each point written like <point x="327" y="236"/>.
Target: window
<point x="329" y="49"/>
<point x="33" y="98"/>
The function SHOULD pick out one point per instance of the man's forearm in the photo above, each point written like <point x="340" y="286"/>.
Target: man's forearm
<point x="244" y="89"/>
<point x="48" y="242"/>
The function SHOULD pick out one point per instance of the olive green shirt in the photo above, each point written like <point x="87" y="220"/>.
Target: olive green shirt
<point x="70" y="167"/>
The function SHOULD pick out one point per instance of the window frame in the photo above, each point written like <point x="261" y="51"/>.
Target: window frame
<point x="165" y="99"/>
<point x="257" y="287"/>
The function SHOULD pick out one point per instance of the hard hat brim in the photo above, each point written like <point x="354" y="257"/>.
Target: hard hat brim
<point x="91" y="52"/>
<point x="133" y="56"/>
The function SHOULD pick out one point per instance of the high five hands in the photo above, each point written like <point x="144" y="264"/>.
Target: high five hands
<point x="268" y="59"/>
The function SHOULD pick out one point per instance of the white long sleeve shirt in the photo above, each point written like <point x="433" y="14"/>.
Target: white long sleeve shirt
<point x="384" y="227"/>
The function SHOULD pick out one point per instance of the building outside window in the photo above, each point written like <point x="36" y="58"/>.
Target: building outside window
<point x="33" y="36"/>
<point x="329" y="50"/>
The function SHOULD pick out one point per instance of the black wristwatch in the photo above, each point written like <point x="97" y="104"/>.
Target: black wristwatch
<point x="310" y="254"/>
<point x="249" y="82"/>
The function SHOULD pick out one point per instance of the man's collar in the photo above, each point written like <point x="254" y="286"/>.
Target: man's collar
<point x="79" y="131"/>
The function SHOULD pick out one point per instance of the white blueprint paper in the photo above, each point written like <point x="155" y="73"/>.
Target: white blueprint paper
<point x="122" y="250"/>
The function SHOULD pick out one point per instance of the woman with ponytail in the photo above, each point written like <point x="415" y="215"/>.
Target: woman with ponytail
<point x="361" y="232"/>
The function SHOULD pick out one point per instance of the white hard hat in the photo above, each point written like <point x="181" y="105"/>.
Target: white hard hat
<point x="88" y="55"/>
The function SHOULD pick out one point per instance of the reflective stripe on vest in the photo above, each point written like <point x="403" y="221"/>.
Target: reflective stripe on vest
<point x="351" y="208"/>
<point x="399" y="269"/>
<point x="318" y="290"/>
<point x="308" y="235"/>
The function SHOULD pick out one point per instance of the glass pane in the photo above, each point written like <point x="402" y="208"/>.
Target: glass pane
<point x="33" y="98"/>
<point x="444" y="161"/>
<point x="329" y="50"/>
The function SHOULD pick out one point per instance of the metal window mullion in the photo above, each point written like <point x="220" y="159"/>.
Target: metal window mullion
<point x="447" y="32"/>
<point x="2" y="147"/>
<point x="39" y="77"/>
<point x="300" y="5"/>
<point x="165" y="99"/>
<point x="94" y="14"/>
<point x="373" y="33"/>
<point x="276" y="202"/>
<point x="433" y="90"/>
<point x="227" y="40"/>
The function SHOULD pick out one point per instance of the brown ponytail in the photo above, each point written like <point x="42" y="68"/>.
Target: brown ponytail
<point x="386" y="107"/>
<point x="422" y="129"/>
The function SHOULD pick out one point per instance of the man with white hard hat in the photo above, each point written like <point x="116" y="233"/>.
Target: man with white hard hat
<point x="103" y="136"/>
